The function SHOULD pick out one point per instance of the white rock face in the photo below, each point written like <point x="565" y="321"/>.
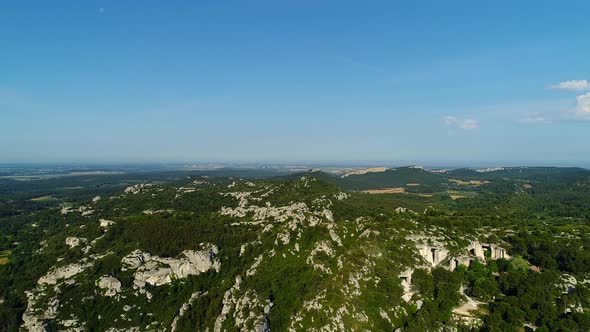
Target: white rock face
<point x="129" y="329"/>
<point x="252" y="270"/>
<point x="478" y="250"/>
<point x="434" y="252"/>
<point x="456" y="261"/>
<point x="65" y="210"/>
<point x="320" y="247"/>
<point x="105" y="223"/>
<point x="498" y="252"/>
<point x="184" y="190"/>
<point x="71" y="324"/>
<point x="157" y="271"/>
<point x="96" y="199"/>
<point x="365" y="171"/>
<point x="475" y="248"/>
<point x="136" y="189"/>
<point x="63" y="272"/>
<point x="400" y="210"/>
<point x="489" y="169"/>
<point x="263" y="324"/>
<point x="568" y="283"/>
<point x="333" y="235"/>
<point x="87" y="213"/>
<point x="328" y="215"/>
<point x="368" y="233"/>
<point x="150" y="212"/>
<point x="135" y="259"/>
<point x="229" y="300"/>
<point x="247" y="310"/>
<point x="73" y="242"/>
<point x="341" y="196"/>
<point x="34" y="318"/>
<point x="184" y="309"/>
<point x="298" y="212"/>
<point x="406" y="280"/>
<point x="433" y="255"/>
<point x="35" y="321"/>
<point x="111" y="285"/>
<point x="84" y="210"/>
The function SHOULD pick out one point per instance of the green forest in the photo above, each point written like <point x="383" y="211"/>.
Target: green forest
<point x="306" y="251"/>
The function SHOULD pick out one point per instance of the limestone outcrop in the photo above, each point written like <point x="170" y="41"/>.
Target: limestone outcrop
<point x="432" y="254"/>
<point x="138" y="188"/>
<point x="63" y="272"/>
<point x="479" y="249"/>
<point x="110" y="284"/>
<point x="73" y="242"/>
<point x="104" y="223"/>
<point x="157" y="271"/>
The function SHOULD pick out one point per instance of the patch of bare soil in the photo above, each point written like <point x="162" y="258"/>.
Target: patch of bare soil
<point x="365" y="171"/>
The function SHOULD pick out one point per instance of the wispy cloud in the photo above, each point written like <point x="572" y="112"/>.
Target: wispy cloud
<point x="535" y="119"/>
<point x="467" y="124"/>
<point x="581" y="110"/>
<point x="574" y="85"/>
<point x="583" y="106"/>
<point x="450" y="120"/>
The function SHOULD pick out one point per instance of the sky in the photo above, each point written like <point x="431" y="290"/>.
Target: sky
<point x="179" y="81"/>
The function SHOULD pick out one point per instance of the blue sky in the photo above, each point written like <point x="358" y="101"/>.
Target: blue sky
<point x="466" y="81"/>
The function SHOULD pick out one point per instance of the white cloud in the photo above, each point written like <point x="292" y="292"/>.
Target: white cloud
<point x="450" y="120"/>
<point x="469" y="124"/>
<point x="466" y="124"/>
<point x="581" y="111"/>
<point x="575" y="85"/>
<point x="583" y="106"/>
<point x="535" y="119"/>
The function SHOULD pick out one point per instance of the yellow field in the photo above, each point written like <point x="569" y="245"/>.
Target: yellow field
<point x="399" y="190"/>
<point x="455" y="194"/>
<point x="43" y="198"/>
<point x="470" y="182"/>
<point x="4" y="257"/>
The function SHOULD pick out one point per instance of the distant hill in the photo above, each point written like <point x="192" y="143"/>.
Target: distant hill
<point x="411" y="178"/>
<point x="518" y="172"/>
